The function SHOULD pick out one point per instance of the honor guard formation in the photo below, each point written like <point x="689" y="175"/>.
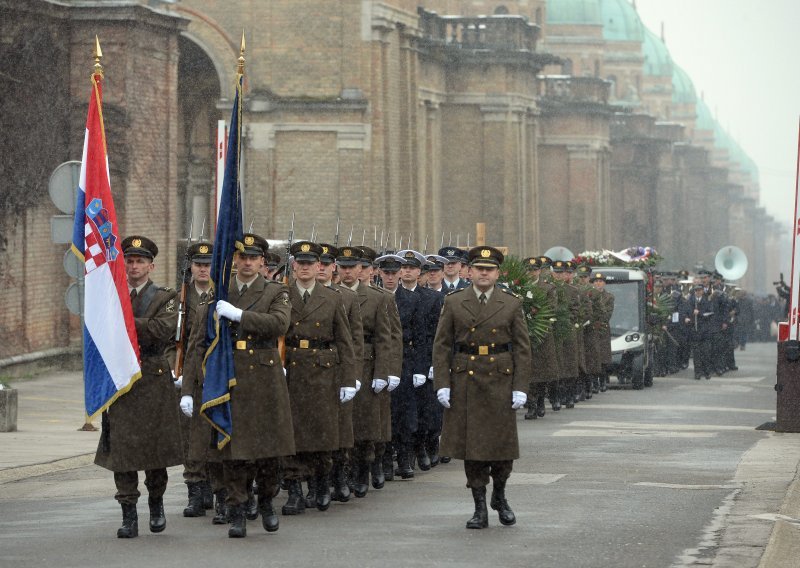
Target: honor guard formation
<point x="355" y="368"/>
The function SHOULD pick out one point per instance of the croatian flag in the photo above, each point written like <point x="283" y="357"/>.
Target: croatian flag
<point x="110" y="346"/>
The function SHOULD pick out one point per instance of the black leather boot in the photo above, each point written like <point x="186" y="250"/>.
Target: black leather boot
<point x="341" y="491"/>
<point x="295" y="504"/>
<point x="195" y="507"/>
<point x="432" y="447"/>
<point x="480" y="519"/>
<point x="208" y="495"/>
<point x="251" y="507"/>
<point x="220" y="516"/>
<point x="360" y="473"/>
<point x="540" y="411"/>
<point x="323" y="485"/>
<point x="530" y="413"/>
<point x="311" y="494"/>
<point x="595" y="385"/>
<point x="269" y="518"/>
<point x="444" y="459"/>
<point x="404" y="469"/>
<point x="158" y="522"/>
<point x="423" y="460"/>
<point x="378" y="478"/>
<point x="499" y="504"/>
<point x="388" y="465"/>
<point x="238" y="528"/>
<point x="130" y="521"/>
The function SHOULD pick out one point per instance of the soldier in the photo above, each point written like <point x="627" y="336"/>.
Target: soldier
<point x="414" y="369"/>
<point x="452" y="270"/>
<point x="569" y="355"/>
<point x="321" y="374"/>
<point x="258" y="312"/>
<point x="426" y="443"/>
<point x="544" y="353"/>
<point x="482" y="364"/>
<point x="436" y="273"/>
<point x="602" y="327"/>
<point x="382" y="469"/>
<point x="700" y="321"/>
<point x="377" y="365"/>
<point x="141" y="431"/>
<point x="271" y="263"/>
<point x="586" y="333"/>
<point x="341" y="457"/>
<point x="202" y="478"/>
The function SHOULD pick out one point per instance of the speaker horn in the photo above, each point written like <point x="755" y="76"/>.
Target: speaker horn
<point x="559" y="253"/>
<point x="731" y="262"/>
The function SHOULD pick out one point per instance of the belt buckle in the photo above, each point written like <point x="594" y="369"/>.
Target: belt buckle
<point x="304" y="344"/>
<point x="241" y="345"/>
<point x="483" y="349"/>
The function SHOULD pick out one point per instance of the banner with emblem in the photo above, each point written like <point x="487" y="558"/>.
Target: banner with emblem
<point x="218" y="368"/>
<point x="110" y="345"/>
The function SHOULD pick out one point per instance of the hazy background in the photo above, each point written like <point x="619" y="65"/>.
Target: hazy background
<point x="743" y="56"/>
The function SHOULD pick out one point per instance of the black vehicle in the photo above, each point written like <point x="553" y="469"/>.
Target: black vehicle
<point x="631" y="349"/>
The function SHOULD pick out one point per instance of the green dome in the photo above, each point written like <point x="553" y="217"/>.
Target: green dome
<point x="585" y="12"/>
<point x="657" y="62"/>
<point x="682" y="87"/>
<point x="704" y="119"/>
<point x="620" y="21"/>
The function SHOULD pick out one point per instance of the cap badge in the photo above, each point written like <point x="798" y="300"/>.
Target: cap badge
<point x="305" y="247"/>
<point x="486" y="253"/>
<point x="324" y="250"/>
<point x="203" y="249"/>
<point x="248" y="240"/>
<point x="410" y="254"/>
<point x="347" y="252"/>
<point x="136" y="242"/>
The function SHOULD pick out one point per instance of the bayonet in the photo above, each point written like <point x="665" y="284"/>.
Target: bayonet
<point x="336" y="236"/>
<point x="252" y="220"/>
<point x="350" y="238"/>
<point x="458" y="240"/>
<point x="441" y="243"/>
<point x="409" y="239"/>
<point x="363" y="236"/>
<point x="401" y="243"/>
<point x="467" y="240"/>
<point x="313" y="230"/>
<point x="450" y="239"/>
<point x="425" y="248"/>
<point x="375" y="240"/>
<point x="203" y="230"/>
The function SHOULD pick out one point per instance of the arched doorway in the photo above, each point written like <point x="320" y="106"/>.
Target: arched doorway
<point x="198" y="95"/>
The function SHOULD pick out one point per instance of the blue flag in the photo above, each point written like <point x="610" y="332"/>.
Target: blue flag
<point x="218" y="368"/>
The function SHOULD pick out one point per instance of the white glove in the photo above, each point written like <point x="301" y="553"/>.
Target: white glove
<point x="379" y="384"/>
<point x="178" y="381"/>
<point x="430" y="373"/>
<point x="187" y="405"/>
<point x="444" y="397"/>
<point x="346" y="394"/>
<point x="358" y="385"/>
<point x="394" y="382"/>
<point x="518" y="399"/>
<point x="419" y="380"/>
<point x="227" y="310"/>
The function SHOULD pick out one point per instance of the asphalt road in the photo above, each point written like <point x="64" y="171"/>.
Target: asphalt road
<point x="628" y="479"/>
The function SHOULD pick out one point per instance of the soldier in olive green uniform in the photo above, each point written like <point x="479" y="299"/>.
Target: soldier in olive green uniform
<point x="141" y="430"/>
<point x="603" y="327"/>
<point x="258" y="312"/>
<point x="321" y="374"/>
<point x="376" y="366"/>
<point x="568" y="352"/>
<point x="482" y="365"/>
<point x="544" y="354"/>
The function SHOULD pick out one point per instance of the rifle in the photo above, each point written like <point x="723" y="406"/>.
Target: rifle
<point x="336" y="236"/>
<point x="286" y="278"/>
<point x="180" y="328"/>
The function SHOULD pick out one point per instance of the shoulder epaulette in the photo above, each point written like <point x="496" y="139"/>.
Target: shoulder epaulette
<point x="509" y="291"/>
<point x="165" y="289"/>
<point x="456" y="291"/>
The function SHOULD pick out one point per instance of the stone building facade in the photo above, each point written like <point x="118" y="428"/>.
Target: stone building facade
<point x="560" y="122"/>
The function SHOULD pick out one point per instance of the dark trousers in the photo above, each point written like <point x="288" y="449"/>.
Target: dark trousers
<point x="364" y="451"/>
<point x="479" y="472"/>
<point x="702" y="357"/>
<point x="197" y="472"/>
<point x="127" y="483"/>
<point x="238" y="477"/>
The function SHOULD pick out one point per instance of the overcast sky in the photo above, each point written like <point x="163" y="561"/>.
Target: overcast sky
<point x="743" y="55"/>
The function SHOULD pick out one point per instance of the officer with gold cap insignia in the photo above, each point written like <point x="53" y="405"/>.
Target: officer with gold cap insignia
<point x="142" y="432"/>
<point x="482" y="365"/>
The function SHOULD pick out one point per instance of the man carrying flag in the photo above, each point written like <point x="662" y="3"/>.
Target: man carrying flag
<point x="126" y="317"/>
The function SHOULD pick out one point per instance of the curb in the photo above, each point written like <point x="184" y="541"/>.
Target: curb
<point x="783" y="548"/>
<point x="12" y="474"/>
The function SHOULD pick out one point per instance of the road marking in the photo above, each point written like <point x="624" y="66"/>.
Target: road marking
<point x="638" y="407"/>
<point x="681" y="486"/>
<point x="775" y="517"/>
<point x="650" y="426"/>
<point x="630" y="434"/>
<point x="516" y="478"/>
<point x="707" y="388"/>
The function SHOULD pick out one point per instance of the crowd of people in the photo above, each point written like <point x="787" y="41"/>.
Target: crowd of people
<point x="364" y="368"/>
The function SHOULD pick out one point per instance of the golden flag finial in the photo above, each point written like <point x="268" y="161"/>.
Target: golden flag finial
<point x="240" y="67"/>
<point x="98" y="54"/>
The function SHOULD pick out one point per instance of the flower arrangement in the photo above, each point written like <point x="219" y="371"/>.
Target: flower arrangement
<point x="539" y="314"/>
<point x="632" y="257"/>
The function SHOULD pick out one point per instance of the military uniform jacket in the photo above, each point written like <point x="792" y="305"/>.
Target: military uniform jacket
<point x="141" y="430"/>
<point x="395" y="368"/>
<point x="260" y="413"/>
<point x="377" y="361"/>
<point x="603" y="328"/>
<point x="545" y="360"/>
<point x="568" y="355"/>
<point x="354" y="319"/>
<point x="703" y="325"/>
<point x="591" y="333"/>
<point x="480" y="424"/>
<point x="319" y="360"/>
